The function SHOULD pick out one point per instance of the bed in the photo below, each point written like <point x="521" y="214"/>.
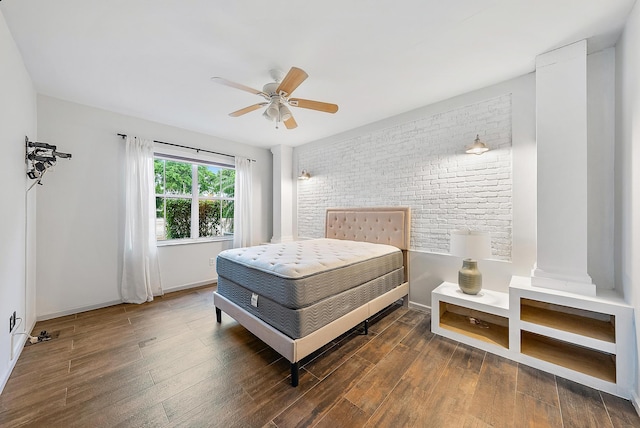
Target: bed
<point x="298" y="296"/>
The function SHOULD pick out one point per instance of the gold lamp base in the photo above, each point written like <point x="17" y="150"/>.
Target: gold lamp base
<point x="469" y="277"/>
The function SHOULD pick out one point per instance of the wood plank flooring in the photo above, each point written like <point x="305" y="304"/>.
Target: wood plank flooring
<point x="167" y="363"/>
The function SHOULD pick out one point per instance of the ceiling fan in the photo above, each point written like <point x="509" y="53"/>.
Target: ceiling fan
<point x="277" y="95"/>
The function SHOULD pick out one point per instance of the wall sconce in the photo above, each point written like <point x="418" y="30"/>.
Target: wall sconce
<point x="478" y="147"/>
<point x="304" y="175"/>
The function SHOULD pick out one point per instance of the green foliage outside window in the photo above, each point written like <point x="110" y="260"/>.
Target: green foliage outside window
<point x="209" y="218"/>
<point x="216" y="187"/>
<point x="216" y="181"/>
<point x="172" y="177"/>
<point x="178" y="218"/>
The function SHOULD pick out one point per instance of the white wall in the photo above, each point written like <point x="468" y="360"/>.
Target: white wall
<point x="515" y="150"/>
<point x="80" y="208"/>
<point x="420" y="163"/>
<point x="430" y="266"/>
<point x="600" y="166"/>
<point x="17" y="274"/>
<point x="282" y="193"/>
<point x="561" y="138"/>
<point x="627" y="162"/>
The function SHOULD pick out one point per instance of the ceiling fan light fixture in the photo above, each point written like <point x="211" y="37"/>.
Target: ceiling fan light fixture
<point x="285" y="113"/>
<point x="272" y="111"/>
<point x="276" y="97"/>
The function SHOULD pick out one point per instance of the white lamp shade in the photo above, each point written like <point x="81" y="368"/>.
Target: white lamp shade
<point x="470" y="244"/>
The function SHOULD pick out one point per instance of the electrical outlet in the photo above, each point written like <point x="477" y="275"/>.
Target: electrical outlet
<point x="12" y="321"/>
<point x="212" y="261"/>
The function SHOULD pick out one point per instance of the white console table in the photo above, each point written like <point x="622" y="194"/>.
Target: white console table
<point x="582" y="338"/>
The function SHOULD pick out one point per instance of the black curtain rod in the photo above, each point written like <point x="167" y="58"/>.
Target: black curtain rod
<point x="187" y="147"/>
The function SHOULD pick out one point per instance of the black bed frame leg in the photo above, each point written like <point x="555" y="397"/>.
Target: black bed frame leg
<point x="295" y="373"/>
<point x="218" y="315"/>
<point x="366" y="327"/>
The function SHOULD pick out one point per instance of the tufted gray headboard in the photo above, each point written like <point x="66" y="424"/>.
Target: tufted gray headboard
<point x="379" y="225"/>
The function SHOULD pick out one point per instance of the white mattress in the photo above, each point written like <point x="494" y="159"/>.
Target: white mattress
<point x="299" y="259"/>
<point x="298" y="274"/>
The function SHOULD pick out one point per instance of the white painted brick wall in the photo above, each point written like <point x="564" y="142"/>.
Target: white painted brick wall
<point x="420" y="164"/>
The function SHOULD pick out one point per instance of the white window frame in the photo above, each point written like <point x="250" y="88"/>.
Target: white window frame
<point x="194" y="197"/>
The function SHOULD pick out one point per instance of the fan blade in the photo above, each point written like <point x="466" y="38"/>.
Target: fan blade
<point x="226" y="82"/>
<point x="313" y="105"/>
<point x="290" y="123"/>
<point x="291" y="81"/>
<point x="247" y="109"/>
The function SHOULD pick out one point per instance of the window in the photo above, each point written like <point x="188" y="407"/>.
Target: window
<point x="194" y="199"/>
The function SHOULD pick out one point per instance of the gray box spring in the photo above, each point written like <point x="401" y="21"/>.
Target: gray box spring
<point x="297" y="323"/>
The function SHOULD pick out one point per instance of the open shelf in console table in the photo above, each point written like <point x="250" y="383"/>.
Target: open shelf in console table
<point x="480" y="320"/>
<point x="587" y="339"/>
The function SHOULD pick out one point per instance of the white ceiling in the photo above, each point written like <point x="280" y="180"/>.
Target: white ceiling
<point x="374" y="58"/>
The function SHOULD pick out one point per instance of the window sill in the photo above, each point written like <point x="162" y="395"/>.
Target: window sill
<point x="193" y="241"/>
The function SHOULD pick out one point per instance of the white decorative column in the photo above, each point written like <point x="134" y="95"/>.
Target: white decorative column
<point x="561" y="126"/>
<point x="282" y="193"/>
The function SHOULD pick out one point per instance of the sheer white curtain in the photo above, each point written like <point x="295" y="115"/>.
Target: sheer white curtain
<point x="242" y="206"/>
<point x="140" y="270"/>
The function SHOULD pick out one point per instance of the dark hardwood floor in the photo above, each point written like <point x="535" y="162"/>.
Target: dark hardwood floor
<point x="169" y="364"/>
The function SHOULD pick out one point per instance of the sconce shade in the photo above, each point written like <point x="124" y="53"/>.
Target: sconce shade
<point x="304" y="175"/>
<point x="478" y="147"/>
<point x="470" y="244"/>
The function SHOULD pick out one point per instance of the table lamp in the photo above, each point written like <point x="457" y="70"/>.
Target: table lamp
<point x="471" y="246"/>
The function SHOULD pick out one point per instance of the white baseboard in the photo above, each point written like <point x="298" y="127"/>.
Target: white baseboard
<point x="191" y="285"/>
<point x="77" y="310"/>
<point x="419" y="307"/>
<point x="117" y="302"/>
<point x="635" y="400"/>
<point x="12" y="363"/>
